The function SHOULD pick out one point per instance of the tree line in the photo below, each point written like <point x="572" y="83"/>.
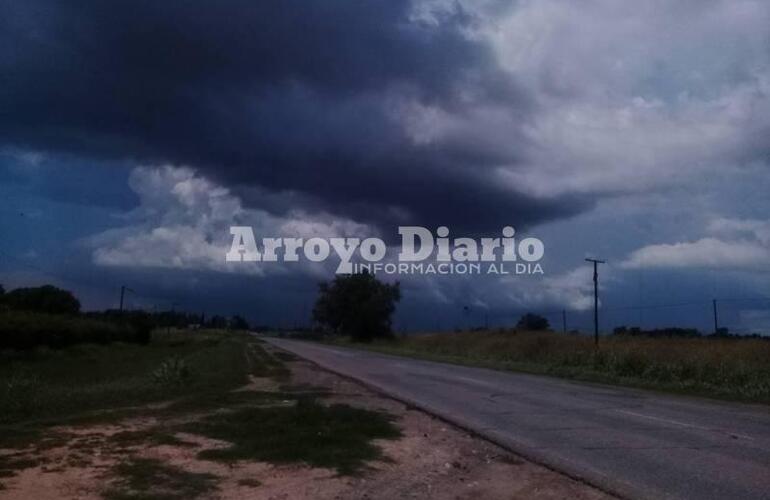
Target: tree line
<point x="47" y="316"/>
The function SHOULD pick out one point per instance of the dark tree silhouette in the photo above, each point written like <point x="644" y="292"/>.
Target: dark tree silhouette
<point x="47" y="299"/>
<point x="238" y="323"/>
<point x="357" y="305"/>
<point x="532" y="321"/>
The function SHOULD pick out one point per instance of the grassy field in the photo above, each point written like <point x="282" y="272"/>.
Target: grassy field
<point x="48" y="383"/>
<point x="199" y="384"/>
<point x="723" y="368"/>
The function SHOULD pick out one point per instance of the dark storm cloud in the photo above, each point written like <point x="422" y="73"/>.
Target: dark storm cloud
<point x="291" y="96"/>
<point x="68" y="180"/>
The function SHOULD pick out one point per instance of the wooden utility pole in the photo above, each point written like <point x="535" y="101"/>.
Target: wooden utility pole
<point x="716" y="317"/>
<point x="596" y="298"/>
<point x="564" y="320"/>
<point x="123" y="289"/>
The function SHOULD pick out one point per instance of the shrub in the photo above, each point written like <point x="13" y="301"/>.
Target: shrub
<point x="173" y="371"/>
<point x="532" y="322"/>
<point x="19" y="394"/>
<point x="26" y="330"/>
<point x="45" y="299"/>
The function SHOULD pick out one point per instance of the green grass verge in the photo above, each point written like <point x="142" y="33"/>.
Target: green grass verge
<point x="47" y="383"/>
<point x="336" y="436"/>
<point x="150" y="479"/>
<point x="195" y="375"/>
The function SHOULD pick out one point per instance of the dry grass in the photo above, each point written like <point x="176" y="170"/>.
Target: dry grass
<point x="726" y="368"/>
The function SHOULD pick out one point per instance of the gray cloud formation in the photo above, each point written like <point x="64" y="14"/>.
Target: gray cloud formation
<point x="330" y="102"/>
<point x="471" y="114"/>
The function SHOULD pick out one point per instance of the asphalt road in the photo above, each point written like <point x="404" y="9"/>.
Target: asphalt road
<point x="636" y="444"/>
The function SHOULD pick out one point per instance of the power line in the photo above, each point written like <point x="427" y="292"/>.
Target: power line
<point x="655" y="306"/>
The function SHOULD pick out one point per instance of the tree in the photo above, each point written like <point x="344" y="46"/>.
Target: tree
<point x="218" y="322"/>
<point x="620" y="330"/>
<point x="357" y="305"/>
<point x="532" y="321"/>
<point x="47" y="299"/>
<point x="238" y="323"/>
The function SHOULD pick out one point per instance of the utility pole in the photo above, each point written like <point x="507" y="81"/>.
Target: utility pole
<point x="123" y="289"/>
<point x="564" y="320"/>
<point x="596" y="298"/>
<point x="716" y="317"/>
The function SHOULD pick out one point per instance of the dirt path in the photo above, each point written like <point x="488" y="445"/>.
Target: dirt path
<point x="431" y="460"/>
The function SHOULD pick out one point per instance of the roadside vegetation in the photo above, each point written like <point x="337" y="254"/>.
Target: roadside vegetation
<point x="336" y="436"/>
<point x="145" y="478"/>
<point x="24" y="331"/>
<point x="726" y="368"/>
<point x="50" y="383"/>
<point x="181" y="387"/>
<point x="356" y="310"/>
<point x="47" y="316"/>
<point x="50" y="317"/>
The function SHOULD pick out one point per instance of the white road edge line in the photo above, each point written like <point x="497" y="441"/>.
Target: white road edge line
<point x="683" y="424"/>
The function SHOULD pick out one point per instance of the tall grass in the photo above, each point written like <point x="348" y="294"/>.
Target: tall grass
<point x="728" y="368"/>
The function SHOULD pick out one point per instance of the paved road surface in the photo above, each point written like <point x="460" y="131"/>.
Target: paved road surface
<point x="634" y="443"/>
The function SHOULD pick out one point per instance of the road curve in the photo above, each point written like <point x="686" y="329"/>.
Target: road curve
<point x="636" y="444"/>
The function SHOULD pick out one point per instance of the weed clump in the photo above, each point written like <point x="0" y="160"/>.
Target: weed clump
<point x="173" y="371"/>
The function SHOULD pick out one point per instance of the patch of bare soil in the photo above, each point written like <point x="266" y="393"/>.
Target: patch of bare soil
<point x="433" y="460"/>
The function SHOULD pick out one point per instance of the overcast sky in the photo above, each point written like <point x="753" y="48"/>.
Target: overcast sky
<point x="134" y="133"/>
